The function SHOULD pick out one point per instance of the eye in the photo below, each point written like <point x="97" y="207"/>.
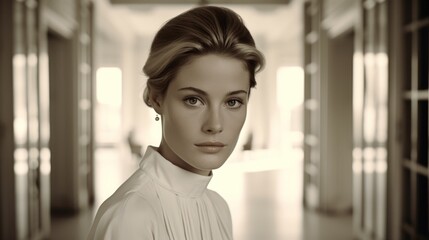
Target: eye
<point x="234" y="103"/>
<point x="193" y="101"/>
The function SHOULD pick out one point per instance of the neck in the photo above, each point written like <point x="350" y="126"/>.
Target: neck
<point x="171" y="156"/>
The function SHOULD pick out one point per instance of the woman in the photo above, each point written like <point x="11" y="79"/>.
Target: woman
<point x="200" y="70"/>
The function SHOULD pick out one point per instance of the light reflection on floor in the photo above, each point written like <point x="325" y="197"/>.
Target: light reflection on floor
<point x="262" y="188"/>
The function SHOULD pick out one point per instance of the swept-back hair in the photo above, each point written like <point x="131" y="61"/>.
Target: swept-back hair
<point x="199" y="31"/>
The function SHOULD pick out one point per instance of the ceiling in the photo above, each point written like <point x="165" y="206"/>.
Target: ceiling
<point x="272" y="21"/>
<point x="200" y="1"/>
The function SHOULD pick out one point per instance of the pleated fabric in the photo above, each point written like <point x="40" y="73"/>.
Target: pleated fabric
<point x="163" y="201"/>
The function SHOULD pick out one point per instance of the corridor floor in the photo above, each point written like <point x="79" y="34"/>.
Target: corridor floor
<point x="263" y="190"/>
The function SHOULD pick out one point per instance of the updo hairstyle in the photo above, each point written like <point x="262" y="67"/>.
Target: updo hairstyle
<point x="199" y="31"/>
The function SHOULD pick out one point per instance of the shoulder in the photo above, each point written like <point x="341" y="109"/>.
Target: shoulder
<point x="132" y="206"/>
<point x="216" y="198"/>
<point x="125" y="218"/>
<point x="138" y="205"/>
<point x="135" y="196"/>
<point x="219" y="203"/>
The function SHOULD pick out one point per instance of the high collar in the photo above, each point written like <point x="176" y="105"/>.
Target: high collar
<point x="172" y="177"/>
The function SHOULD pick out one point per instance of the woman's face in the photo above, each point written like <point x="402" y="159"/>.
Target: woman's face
<point x="203" y="112"/>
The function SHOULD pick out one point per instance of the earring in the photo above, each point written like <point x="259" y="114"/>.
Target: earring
<point x="156" y="117"/>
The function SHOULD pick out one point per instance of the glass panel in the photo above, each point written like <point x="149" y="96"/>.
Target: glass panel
<point x="407" y="130"/>
<point x="423" y="9"/>
<point x="406" y="189"/>
<point x="422" y="206"/>
<point x="422" y="157"/>
<point x="407" y="61"/>
<point x="423" y="57"/>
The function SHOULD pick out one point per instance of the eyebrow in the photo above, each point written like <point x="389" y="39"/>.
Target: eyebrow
<point x="205" y="94"/>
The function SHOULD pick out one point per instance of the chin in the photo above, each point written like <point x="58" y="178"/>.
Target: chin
<point x="210" y="162"/>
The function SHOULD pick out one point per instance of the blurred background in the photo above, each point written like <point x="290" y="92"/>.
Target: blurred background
<point x="335" y="145"/>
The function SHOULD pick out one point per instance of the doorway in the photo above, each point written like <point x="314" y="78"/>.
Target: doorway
<point x="61" y="82"/>
<point x="338" y="175"/>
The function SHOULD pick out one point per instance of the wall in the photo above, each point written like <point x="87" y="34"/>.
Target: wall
<point x="339" y="174"/>
<point x="65" y="8"/>
<point x="331" y="6"/>
<point x="7" y="189"/>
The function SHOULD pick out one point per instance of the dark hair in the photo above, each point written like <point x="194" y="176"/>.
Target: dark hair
<point x="197" y="32"/>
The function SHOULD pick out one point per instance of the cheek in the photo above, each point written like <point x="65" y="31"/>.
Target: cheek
<point x="178" y="123"/>
<point x="236" y="123"/>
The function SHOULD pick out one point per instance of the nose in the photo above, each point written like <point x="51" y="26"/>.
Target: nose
<point x="213" y="123"/>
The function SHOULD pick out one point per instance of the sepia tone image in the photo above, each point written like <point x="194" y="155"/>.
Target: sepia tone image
<point x="214" y="119"/>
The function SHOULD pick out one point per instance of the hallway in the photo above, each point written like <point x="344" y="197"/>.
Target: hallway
<point x="346" y="83"/>
<point x="263" y="190"/>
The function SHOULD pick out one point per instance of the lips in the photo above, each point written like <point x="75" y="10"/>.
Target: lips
<point x="210" y="144"/>
<point x="210" y="147"/>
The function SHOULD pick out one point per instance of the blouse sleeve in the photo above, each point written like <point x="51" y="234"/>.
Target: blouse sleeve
<point x="132" y="218"/>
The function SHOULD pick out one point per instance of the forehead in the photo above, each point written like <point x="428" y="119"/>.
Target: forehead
<point x="213" y="72"/>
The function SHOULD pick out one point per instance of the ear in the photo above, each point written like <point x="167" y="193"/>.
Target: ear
<point x="156" y="101"/>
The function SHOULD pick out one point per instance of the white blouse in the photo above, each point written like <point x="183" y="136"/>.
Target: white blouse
<point x="162" y="201"/>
